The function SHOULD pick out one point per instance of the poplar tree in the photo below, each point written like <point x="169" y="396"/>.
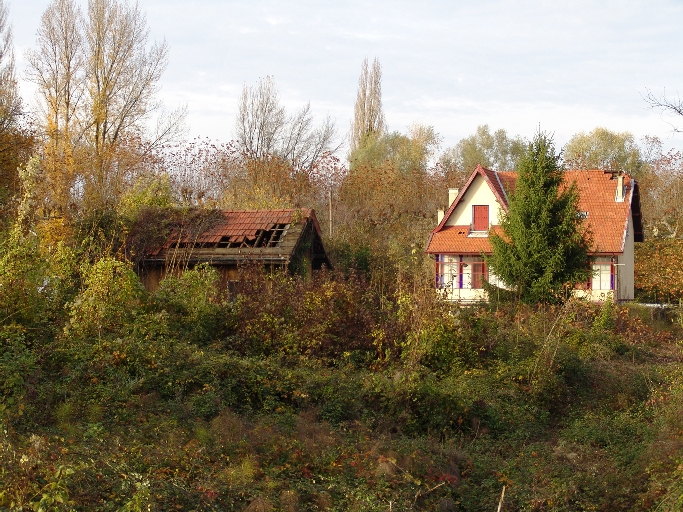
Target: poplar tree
<point x="97" y="78"/>
<point x="368" y="115"/>
<point x="544" y="250"/>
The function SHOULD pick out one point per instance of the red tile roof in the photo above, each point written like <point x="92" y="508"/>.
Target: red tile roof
<point x="240" y="225"/>
<point x="508" y="179"/>
<point x="455" y="240"/>
<point x="607" y="219"/>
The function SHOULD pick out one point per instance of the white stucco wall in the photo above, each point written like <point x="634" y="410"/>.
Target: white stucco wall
<point x="478" y="193"/>
<point x="626" y="266"/>
<point x="465" y="294"/>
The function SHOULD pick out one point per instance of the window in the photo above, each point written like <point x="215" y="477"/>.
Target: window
<point x="480" y="217"/>
<point x="603" y="274"/>
<point x="478" y="273"/>
<point x="446" y="271"/>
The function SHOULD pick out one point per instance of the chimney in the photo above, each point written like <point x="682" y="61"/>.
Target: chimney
<point x="452" y="194"/>
<point x="619" y="196"/>
<point x="439" y="216"/>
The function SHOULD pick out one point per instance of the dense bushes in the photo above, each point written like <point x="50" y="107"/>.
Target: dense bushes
<point x="325" y="394"/>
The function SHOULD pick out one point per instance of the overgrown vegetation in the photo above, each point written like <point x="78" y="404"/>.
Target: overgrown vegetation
<point x="324" y="394"/>
<point x="358" y="389"/>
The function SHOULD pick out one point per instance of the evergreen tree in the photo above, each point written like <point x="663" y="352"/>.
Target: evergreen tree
<point x="543" y="252"/>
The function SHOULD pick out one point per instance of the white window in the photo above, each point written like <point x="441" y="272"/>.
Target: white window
<point x="456" y="271"/>
<point x="603" y="274"/>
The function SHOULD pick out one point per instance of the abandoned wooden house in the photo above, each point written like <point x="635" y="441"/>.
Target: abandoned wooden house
<point x="288" y="239"/>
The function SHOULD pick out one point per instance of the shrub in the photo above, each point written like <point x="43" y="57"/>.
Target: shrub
<point x="193" y="305"/>
<point x="325" y="317"/>
<point x="22" y="275"/>
<point x="18" y="366"/>
<point x="112" y="292"/>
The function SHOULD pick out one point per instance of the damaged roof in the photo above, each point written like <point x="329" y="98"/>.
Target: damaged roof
<point x="236" y="235"/>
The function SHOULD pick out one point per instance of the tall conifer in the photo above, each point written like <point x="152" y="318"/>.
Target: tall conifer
<point x="544" y="250"/>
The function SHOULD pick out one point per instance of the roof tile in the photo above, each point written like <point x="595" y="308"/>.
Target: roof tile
<point x="607" y="219"/>
<point x="239" y="225"/>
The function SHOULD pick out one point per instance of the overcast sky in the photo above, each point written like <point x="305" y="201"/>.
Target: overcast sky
<point x="566" y="66"/>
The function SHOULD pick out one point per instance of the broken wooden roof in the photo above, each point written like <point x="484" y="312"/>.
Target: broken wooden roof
<point x="240" y="235"/>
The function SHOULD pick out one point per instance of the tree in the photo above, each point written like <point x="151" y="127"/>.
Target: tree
<point x="121" y="79"/>
<point x="661" y="190"/>
<point x="97" y="80"/>
<point x="666" y="105"/>
<point x="659" y="269"/>
<point x="368" y="116"/>
<point x="497" y="151"/>
<point x="543" y="251"/>
<point x="407" y="153"/>
<point x="57" y="69"/>
<point x="260" y="118"/>
<point x="604" y="149"/>
<point x="15" y="140"/>
<point x="264" y="129"/>
<point x="10" y="101"/>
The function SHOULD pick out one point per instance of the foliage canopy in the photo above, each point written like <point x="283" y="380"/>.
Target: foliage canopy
<point x="544" y="249"/>
<point x="604" y="149"/>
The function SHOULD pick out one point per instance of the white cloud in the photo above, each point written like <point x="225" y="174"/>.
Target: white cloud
<point x="276" y="21"/>
<point x="453" y="64"/>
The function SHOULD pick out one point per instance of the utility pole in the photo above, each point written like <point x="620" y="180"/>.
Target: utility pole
<point x="329" y="196"/>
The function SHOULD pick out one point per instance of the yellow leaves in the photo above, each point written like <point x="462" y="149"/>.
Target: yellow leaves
<point x="112" y="291"/>
<point x="52" y="231"/>
<point x="118" y="357"/>
<point x="240" y="474"/>
<point x="659" y="268"/>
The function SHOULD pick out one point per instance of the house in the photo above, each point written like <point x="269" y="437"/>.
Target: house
<point x="287" y="239"/>
<point x="609" y="203"/>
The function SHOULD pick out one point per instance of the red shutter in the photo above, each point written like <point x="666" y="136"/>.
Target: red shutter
<point x="481" y="218"/>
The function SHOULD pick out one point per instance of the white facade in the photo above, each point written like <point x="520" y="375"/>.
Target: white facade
<point x="626" y="265"/>
<point x="478" y="193"/>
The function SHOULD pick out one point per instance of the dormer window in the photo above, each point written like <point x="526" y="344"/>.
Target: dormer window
<point x="480" y="217"/>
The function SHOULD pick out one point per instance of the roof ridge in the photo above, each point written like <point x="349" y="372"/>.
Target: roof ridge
<point x="502" y="187"/>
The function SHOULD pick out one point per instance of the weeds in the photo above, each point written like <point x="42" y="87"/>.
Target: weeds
<point x="287" y="394"/>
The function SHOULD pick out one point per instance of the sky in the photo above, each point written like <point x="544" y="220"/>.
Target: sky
<point x="566" y="67"/>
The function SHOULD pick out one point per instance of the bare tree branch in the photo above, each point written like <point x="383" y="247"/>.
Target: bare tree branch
<point x="665" y="104"/>
<point x="97" y="79"/>
<point x="263" y="128"/>
<point x="10" y="101"/>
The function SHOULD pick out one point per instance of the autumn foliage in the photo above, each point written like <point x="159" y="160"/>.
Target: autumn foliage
<point x="659" y="269"/>
<point x="358" y="388"/>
